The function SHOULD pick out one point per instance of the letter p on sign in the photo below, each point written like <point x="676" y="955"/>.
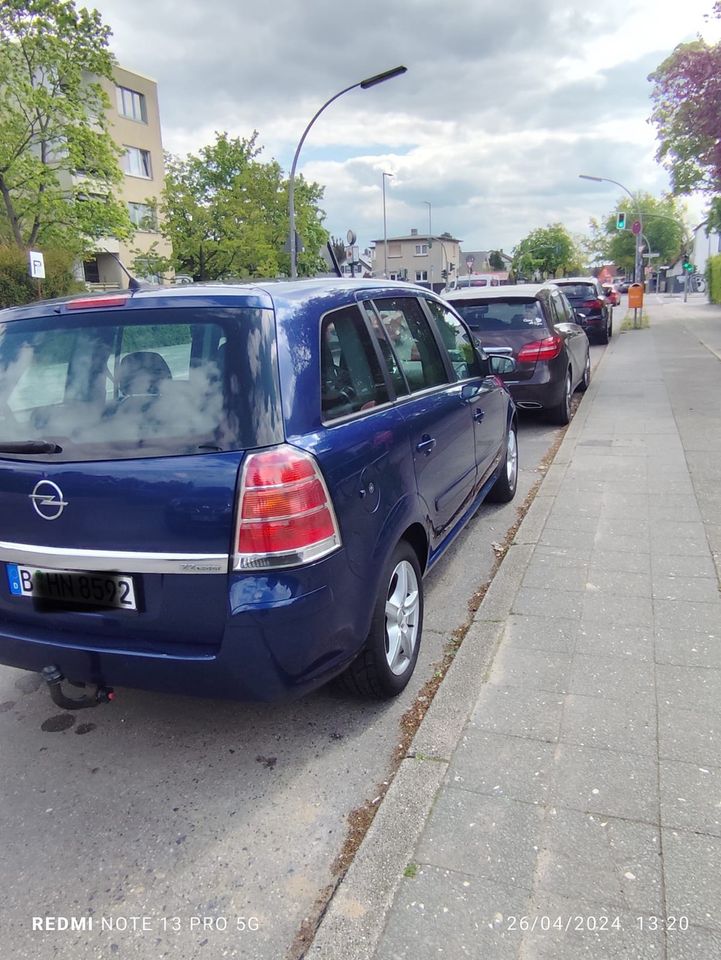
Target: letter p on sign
<point x="37" y="265"/>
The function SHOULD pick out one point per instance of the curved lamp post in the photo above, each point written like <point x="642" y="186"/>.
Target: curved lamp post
<point x="364" y="85"/>
<point x="637" y="259"/>
<point x="385" y="229"/>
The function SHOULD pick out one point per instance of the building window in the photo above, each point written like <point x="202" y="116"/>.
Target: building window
<point x="143" y="216"/>
<point x="394" y="276"/>
<point x="136" y="163"/>
<point x="394" y="249"/>
<point x="421" y="275"/>
<point x="131" y="104"/>
<point x="421" y="249"/>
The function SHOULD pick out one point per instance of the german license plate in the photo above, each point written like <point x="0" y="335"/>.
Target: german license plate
<point x="72" y="587"/>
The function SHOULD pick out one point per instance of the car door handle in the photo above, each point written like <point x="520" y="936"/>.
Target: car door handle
<point x="426" y="445"/>
<point x="478" y="414"/>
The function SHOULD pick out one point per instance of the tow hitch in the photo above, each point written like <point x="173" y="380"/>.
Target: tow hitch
<point x="54" y="678"/>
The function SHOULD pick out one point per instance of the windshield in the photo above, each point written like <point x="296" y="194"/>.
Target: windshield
<point x="578" y="291"/>
<point x="491" y="315"/>
<point x="139" y="383"/>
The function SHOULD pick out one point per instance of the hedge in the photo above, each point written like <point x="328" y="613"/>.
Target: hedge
<point x="713" y="278"/>
<point x="18" y="287"/>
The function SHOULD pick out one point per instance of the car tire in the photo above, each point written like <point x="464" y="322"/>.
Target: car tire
<point x="561" y="413"/>
<point x="586" y="378"/>
<point x="610" y="327"/>
<point x="504" y="489"/>
<point x="603" y="337"/>
<point x="387" y="661"/>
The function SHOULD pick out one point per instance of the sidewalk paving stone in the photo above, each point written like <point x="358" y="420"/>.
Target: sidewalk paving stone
<point x="613" y="561"/>
<point x="688" y="649"/>
<point x="490" y="837"/>
<point x="687" y="734"/>
<point x="626" y="728"/>
<point x="697" y="688"/>
<point x="597" y="858"/>
<point x="675" y="566"/>
<point x="502" y="766"/>
<point x="612" y="678"/>
<point x="620" y="583"/>
<point x="603" y="781"/>
<point x="540" y="633"/>
<point x="603" y="608"/>
<point x="694" y="943"/>
<point x="518" y="712"/>
<point x="562" y="604"/>
<point x="596" y="931"/>
<point x="615" y="640"/>
<point x="692" y="877"/>
<point x="686" y="616"/>
<point x="439" y="913"/>
<point x="691" y="589"/>
<point x="691" y="797"/>
<point x="531" y="670"/>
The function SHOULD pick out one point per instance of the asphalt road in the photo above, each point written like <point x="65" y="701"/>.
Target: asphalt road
<point x="166" y="826"/>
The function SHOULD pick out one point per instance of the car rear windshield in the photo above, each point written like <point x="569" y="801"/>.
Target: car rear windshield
<point x="139" y="383"/>
<point x="490" y="315"/>
<point x="578" y="291"/>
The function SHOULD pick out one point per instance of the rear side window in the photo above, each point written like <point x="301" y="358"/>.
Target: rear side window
<point x="491" y="316"/>
<point x="457" y="342"/>
<point x="579" y="291"/>
<point x="141" y="383"/>
<point x="412" y="341"/>
<point x="351" y="376"/>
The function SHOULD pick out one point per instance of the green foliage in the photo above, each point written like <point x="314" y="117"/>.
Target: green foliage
<point x="546" y="252"/>
<point x="226" y="213"/>
<point x="18" y="287"/>
<point x="338" y="249"/>
<point x="713" y="278"/>
<point x="495" y="260"/>
<point x="663" y="226"/>
<point x="53" y="124"/>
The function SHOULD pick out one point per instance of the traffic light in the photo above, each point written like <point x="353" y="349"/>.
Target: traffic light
<point x="621" y="220"/>
<point x="688" y="266"/>
<point x="444" y="274"/>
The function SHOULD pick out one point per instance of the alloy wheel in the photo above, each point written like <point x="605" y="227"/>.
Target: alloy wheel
<point x="402" y="620"/>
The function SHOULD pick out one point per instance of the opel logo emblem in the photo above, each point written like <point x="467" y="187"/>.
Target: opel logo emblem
<point x="47" y="498"/>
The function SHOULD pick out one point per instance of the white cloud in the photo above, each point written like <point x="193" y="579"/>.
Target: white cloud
<point x="501" y="109"/>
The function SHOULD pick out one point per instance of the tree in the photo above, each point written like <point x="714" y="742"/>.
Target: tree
<point x="226" y="213"/>
<point x="58" y="163"/>
<point x="496" y="261"/>
<point x="663" y="227"/>
<point x="339" y="249"/>
<point x="686" y="99"/>
<point x="546" y="252"/>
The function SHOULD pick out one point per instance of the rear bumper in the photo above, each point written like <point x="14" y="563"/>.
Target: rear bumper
<point x="544" y="389"/>
<point x="282" y="638"/>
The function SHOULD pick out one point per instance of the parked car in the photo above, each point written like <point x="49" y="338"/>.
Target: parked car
<point x="536" y="326"/>
<point x="593" y="308"/>
<point x="474" y="280"/>
<point x="623" y="286"/>
<point x="236" y="491"/>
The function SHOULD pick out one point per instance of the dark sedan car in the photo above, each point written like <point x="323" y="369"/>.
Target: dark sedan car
<point x="593" y="308"/>
<point x="535" y="325"/>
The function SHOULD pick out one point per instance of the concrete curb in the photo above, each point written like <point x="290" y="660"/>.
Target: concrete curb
<point x="355" y="918"/>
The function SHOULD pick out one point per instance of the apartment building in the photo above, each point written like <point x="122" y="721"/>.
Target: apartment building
<point x="418" y="258"/>
<point x="134" y="124"/>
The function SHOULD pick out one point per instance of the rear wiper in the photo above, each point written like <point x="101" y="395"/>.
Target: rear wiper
<point x="31" y="446"/>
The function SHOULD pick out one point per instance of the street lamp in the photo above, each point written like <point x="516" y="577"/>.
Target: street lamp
<point x="637" y="258"/>
<point x="385" y="230"/>
<point x="364" y="85"/>
<point x="430" y="240"/>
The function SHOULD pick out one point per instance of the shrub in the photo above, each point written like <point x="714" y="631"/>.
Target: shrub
<point x="713" y="278"/>
<point x="18" y="287"/>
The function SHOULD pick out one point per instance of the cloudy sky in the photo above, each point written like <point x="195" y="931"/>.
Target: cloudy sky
<point x="503" y="104"/>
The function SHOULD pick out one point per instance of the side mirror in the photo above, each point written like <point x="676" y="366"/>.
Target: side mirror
<point x="580" y="317"/>
<point x="502" y="366"/>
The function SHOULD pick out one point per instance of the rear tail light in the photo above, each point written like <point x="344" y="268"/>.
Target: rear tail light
<point x="94" y="303"/>
<point x="593" y="304"/>
<point x="547" y="349"/>
<point x="285" y="514"/>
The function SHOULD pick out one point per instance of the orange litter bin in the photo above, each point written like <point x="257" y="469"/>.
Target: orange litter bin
<point x="635" y="296"/>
